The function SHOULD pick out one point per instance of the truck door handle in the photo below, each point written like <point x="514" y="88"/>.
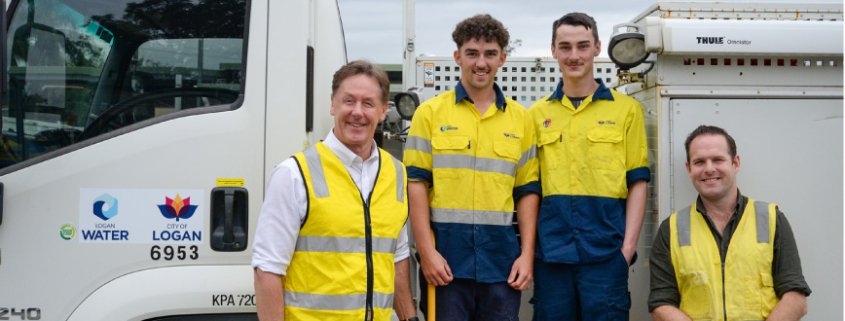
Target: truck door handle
<point x="228" y="203"/>
<point x="229" y="219"/>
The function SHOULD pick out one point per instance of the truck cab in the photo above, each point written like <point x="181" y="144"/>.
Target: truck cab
<point x="134" y="133"/>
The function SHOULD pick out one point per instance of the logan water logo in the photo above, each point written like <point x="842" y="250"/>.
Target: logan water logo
<point x="105" y="201"/>
<point x="445" y="128"/>
<point x="177" y="208"/>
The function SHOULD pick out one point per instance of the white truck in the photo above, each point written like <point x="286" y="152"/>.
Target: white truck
<point x="133" y="132"/>
<point x="769" y="73"/>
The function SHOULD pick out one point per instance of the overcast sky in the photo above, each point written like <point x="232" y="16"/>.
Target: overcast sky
<point x="373" y="28"/>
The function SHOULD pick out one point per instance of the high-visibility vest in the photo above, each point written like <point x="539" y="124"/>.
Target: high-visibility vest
<point x="740" y="289"/>
<point x="342" y="267"/>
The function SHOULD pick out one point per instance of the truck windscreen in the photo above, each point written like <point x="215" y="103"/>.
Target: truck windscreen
<point x="82" y="68"/>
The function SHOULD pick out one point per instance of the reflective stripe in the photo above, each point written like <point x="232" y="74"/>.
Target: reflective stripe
<point x="309" y="243"/>
<point x="528" y="155"/>
<point x="474" y="163"/>
<point x="318" y="178"/>
<point x="418" y="143"/>
<point x="762" y="209"/>
<point x="400" y="180"/>
<point x="683" y="226"/>
<point x="448" y="215"/>
<point x="336" y="302"/>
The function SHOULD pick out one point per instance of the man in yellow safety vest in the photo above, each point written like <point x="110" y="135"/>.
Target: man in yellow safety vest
<point x="727" y="257"/>
<point x="330" y="242"/>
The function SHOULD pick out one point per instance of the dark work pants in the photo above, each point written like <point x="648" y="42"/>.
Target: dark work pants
<point x="594" y="292"/>
<point x="468" y="300"/>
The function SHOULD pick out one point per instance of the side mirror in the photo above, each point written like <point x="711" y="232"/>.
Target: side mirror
<point x="3" y="69"/>
<point x="408" y="101"/>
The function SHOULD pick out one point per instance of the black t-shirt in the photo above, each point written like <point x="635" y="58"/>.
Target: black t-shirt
<point x="576" y="101"/>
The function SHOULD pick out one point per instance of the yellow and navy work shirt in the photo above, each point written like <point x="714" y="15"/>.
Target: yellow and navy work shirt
<point x="588" y="158"/>
<point x="477" y="167"/>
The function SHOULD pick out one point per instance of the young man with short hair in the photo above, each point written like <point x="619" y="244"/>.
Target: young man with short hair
<point x="594" y="166"/>
<point x="470" y="155"/>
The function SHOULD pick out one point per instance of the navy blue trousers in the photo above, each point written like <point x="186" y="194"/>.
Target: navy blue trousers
<point x="468" y="300"/>
<point x="589" y="292"/>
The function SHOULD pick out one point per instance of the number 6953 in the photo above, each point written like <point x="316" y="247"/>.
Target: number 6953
<point x="170" y="252"/>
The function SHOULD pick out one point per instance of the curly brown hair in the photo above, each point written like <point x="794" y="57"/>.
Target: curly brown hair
<point x="481" y="27"/>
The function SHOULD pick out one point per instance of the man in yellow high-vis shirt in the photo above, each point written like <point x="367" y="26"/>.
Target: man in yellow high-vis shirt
<point x="594" y="172"/>
<point x="330" y="242"/>
<point x="471" y="157"/>
<point x="727" y="257"/>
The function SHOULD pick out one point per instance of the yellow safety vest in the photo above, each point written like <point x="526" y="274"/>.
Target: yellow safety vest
<point x="739" y="289"/>
<point x="342" y="267"/>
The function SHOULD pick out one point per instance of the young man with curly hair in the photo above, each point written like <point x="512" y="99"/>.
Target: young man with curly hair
<point x="471" y="156"/>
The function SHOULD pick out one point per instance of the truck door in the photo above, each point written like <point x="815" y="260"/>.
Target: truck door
<point x="121" y="119"/>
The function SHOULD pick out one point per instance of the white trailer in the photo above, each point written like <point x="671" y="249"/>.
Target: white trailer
<point x="132" y="134"/>
<point x="769" y="73"/>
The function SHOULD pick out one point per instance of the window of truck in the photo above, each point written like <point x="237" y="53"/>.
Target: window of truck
<point x="79" y="69"/>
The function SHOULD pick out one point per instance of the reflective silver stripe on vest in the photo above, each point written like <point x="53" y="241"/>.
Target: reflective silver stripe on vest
<point x="528" y="155"/>
<point x="762" y="209"/>
<point x="310" y="243"/>
<point x="315" y="167"/>
<point x="418" y="143"/>
<point x="474" y="163"/>
<point x="683" y="226"/>
<point x="446" y="215"/>
<point x="336" y="302"/>
<point x="400" y="180"/>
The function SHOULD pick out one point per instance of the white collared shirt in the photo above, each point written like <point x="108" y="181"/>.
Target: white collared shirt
<point x="286" y="205"/>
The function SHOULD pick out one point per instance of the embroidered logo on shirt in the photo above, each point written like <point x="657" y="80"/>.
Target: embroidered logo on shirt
<point x="547" y="122"/>
<point x="511" y="136"/>
<point x="445" y="128"/>
<point x="609" y="122"/>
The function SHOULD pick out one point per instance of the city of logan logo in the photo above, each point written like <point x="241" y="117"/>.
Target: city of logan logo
<point x="609" y="122"/>
<point x="177" y="208"/>
<point x="547" y="122"/>
<point x="511" y="136"/>
<point x="105" y="207"/>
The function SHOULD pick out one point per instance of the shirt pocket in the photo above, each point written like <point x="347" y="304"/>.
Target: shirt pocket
<point x="759" y="289"/>
<point x="503" y="169"/>
<point x="507" y="150"/>
<point x="548" y="148"/>
<point x="449" y="158"/>
<point x="450" y="142"/>
<point x="605" y="149"/>
<point x="695" y="295"/>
